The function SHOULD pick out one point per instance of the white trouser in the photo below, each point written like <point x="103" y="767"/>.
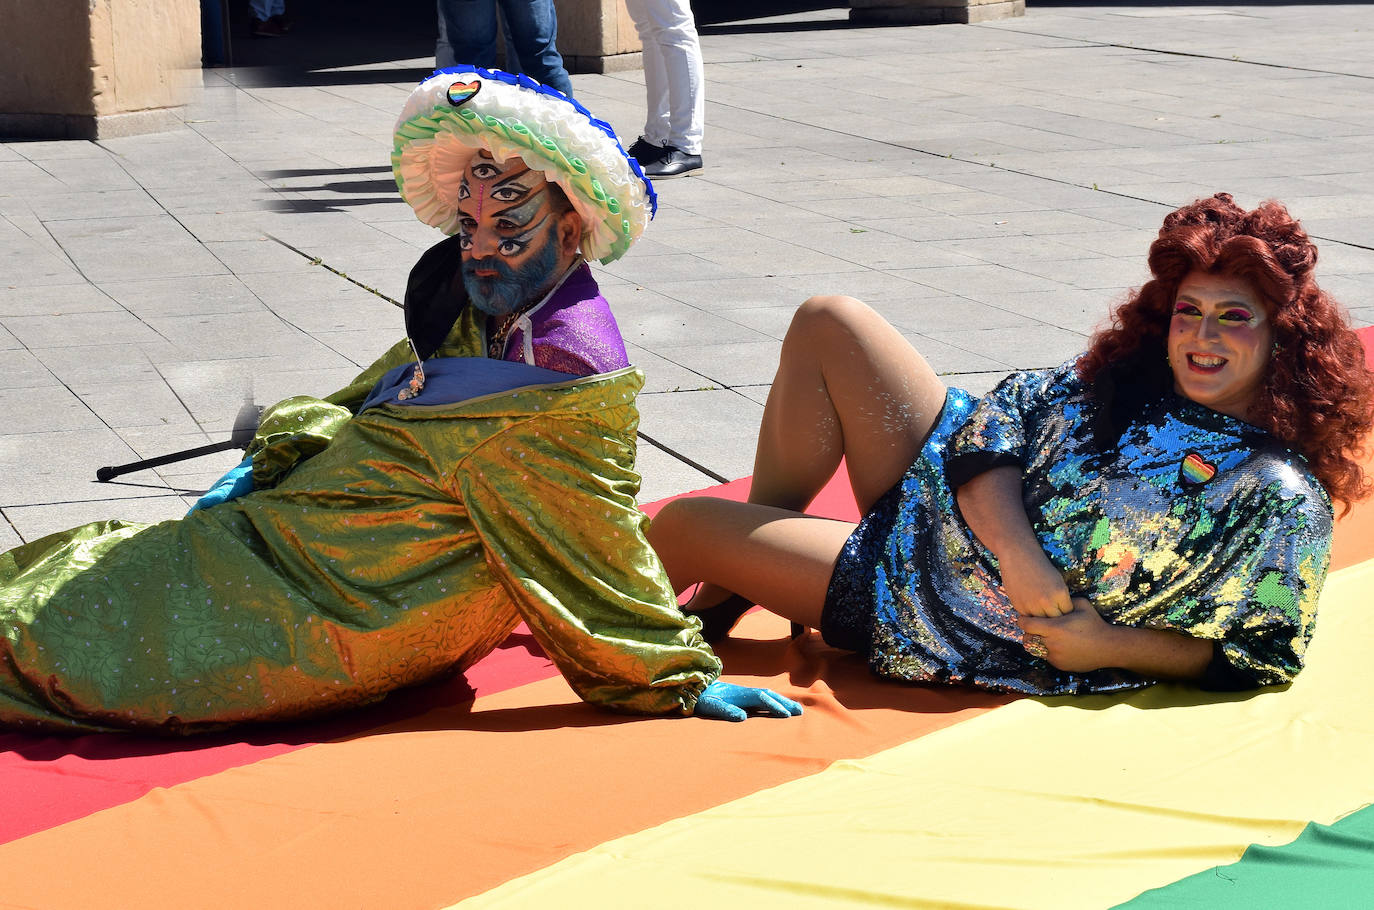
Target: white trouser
<point x="672" y="73"/>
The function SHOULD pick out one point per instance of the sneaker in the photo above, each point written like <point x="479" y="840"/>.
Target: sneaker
<point x="284" y="22"/>
<point x="645" y="152"/>
<point x="676" y="163"/>
<point x="267" y="28"/>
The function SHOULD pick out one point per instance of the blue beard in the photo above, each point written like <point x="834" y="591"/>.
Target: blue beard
<point x="512" y="288"/>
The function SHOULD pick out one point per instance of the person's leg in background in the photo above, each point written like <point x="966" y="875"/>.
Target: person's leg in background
<point x="470" y="30"/>
<point x="674" y="85"/>
<point x="650" y="146"/>
<point x="443" y="51"/>
<point x="269" y="18"/>
<point x="533" y="26"/>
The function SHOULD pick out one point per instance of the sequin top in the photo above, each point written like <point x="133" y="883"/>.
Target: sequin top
<point x="1194" y="521"/>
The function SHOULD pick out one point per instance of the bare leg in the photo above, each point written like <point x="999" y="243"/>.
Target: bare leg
<point x="774" y="557"/>
<point x="849" y="385"/>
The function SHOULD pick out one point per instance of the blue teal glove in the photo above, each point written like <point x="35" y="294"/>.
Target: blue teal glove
<point x="232" y="485"/>
<point x="724" y="701"/>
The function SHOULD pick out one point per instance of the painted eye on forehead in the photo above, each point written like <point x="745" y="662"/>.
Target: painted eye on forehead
<point x="484" y="170"/>
<point x="514" y="189"/>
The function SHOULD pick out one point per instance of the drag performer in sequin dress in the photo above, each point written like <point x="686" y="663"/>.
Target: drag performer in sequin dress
<point x="1158" y="508"/>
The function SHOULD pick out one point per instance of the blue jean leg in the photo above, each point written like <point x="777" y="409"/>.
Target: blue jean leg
<point x="266" y="9"/>
<point x="471" y="29"/>
<point x="533" y="28"/>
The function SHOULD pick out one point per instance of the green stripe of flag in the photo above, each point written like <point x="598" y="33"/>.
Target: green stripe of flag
<point x="1327" y="866"/>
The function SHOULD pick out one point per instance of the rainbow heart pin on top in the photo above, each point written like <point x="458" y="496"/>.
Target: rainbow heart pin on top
<point x="1196" y="470"/>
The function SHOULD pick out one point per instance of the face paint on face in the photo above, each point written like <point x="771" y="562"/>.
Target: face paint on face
<point x="1220" y="340"/>
<point x="496" y="288"/>
<point x="508" y="233"/>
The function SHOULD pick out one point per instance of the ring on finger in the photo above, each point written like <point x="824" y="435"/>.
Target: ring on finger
<point x="1035" y="646"/>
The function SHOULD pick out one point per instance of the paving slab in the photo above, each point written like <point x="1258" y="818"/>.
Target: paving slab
<point x="664" y="375"/>
<point x="1052" y="345"/>
<point x="46" y="409"/>
<point x="19" y="369"/>
<point x="150" y="403"/>
<point x="131" y="247"/>
<point x="83" y="367"/>
<point x="662" y="474"/>
<point x="9" y="537"/>
<point x="153" y="297"/>
<point x="26" y="261"/>
<point x="991" y="189"/>
<point x="57" y="466"/>
<point x="715" y="427"/>
<point x="219" y="336"/>
<point x="74" y="296"/>
<point x="729" y="364"/>
<point x="33" y="522"/>
<point x="61" y="330"/>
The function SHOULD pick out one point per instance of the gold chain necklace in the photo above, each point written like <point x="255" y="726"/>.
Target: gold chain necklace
<point x="496" y="347"/>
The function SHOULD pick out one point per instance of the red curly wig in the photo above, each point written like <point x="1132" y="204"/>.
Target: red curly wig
<point x="1318" y="395"/>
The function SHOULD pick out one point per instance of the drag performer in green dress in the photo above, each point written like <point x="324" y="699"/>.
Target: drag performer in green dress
<point x="401" y="531"/>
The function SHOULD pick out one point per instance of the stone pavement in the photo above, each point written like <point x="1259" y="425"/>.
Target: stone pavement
<point x="991" y="189"/>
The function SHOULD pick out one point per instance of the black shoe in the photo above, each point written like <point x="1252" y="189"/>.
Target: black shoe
<point x="717" y="621"/>
<point x="676" y="163"/>
<point x="645" y="152"/>
<point x="266" y="28"/>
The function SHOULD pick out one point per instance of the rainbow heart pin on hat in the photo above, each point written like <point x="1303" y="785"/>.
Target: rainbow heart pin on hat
<point x="460" y="92"/>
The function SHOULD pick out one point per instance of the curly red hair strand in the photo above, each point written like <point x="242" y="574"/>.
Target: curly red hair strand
<point x="1318" y="394"/>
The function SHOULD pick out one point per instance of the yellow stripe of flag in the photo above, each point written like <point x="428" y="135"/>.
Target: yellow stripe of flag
<point x="1054" y="803"/>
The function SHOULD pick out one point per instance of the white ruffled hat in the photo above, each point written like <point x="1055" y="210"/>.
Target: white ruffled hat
<point x="459" y="111"/>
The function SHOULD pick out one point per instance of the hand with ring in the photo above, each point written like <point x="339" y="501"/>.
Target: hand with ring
<point x="1078" y="641"/>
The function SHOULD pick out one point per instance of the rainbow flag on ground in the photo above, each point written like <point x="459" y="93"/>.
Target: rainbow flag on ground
<point x="500" y="789"/>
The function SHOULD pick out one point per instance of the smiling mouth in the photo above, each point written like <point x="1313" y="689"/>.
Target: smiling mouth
<point x="1206" y="363"/>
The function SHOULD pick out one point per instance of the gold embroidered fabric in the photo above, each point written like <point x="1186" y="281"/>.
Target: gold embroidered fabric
<point x="406" y="548"/>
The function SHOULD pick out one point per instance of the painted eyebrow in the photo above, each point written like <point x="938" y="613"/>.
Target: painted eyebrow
<point x="523" y="212"/>
<point x="1241" y="304"/>
<point x="525" y="236"/>
<point x="513" y="178"/>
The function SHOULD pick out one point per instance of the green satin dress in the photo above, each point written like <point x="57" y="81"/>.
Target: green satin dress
<point x="407" y="547"/>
